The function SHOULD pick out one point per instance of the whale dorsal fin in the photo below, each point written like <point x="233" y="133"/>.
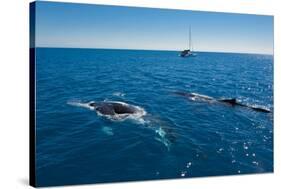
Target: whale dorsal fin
<point x="231" y="101"/>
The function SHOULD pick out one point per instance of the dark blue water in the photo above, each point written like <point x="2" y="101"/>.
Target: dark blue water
<point x="75" y="145"/>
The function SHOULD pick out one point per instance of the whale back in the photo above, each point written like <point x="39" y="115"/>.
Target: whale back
<point x="111" y="108"/>
<point x="231" y="101"/>
<point x="105" y="109"/>
<point x="122" y="109"/>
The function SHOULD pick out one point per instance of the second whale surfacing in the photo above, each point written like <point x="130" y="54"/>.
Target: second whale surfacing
<point x="228" y="101"/>
<point x="121" y="111"/>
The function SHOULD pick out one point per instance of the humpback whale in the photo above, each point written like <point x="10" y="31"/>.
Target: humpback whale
<point x="121" y="111"/>
<point x="229" y="101"/>
<point x="234" y="102"/>
<point x="113" y="108"/>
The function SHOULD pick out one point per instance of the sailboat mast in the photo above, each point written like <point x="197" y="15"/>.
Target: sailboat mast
<point x="189" y="41"/>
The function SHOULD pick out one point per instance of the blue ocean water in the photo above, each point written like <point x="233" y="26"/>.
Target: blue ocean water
<point x="177" y="138"/>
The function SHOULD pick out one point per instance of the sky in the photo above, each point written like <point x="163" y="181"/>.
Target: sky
<point x="115" y="27"/>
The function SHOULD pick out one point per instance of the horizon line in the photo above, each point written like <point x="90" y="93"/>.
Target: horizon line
<point x="174" y="50"/>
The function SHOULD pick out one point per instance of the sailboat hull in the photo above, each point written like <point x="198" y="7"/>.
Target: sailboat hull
<point x="187" y="53"/>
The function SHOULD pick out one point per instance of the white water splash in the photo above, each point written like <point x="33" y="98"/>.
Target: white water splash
<point x="107" y="130"/>
<point x="119" y="94"/>
<point x="80" y="104"/>
<point x="162" y="137"/>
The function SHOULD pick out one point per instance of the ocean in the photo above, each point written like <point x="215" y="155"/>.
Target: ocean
<point x="175" y="136"/>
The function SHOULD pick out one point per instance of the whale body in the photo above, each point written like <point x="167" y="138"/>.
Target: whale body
<point x="229" y="101"/>
<point x="121" y="111"/>
<point x="113" y="108"/>
<point x="195" y="96"/>
<point x="234" y="102"/>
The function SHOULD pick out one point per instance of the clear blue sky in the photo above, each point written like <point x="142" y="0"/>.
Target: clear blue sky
<point x="97" y="26"/>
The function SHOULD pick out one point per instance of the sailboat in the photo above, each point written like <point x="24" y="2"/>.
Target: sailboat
<point x="188" y="52"/>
